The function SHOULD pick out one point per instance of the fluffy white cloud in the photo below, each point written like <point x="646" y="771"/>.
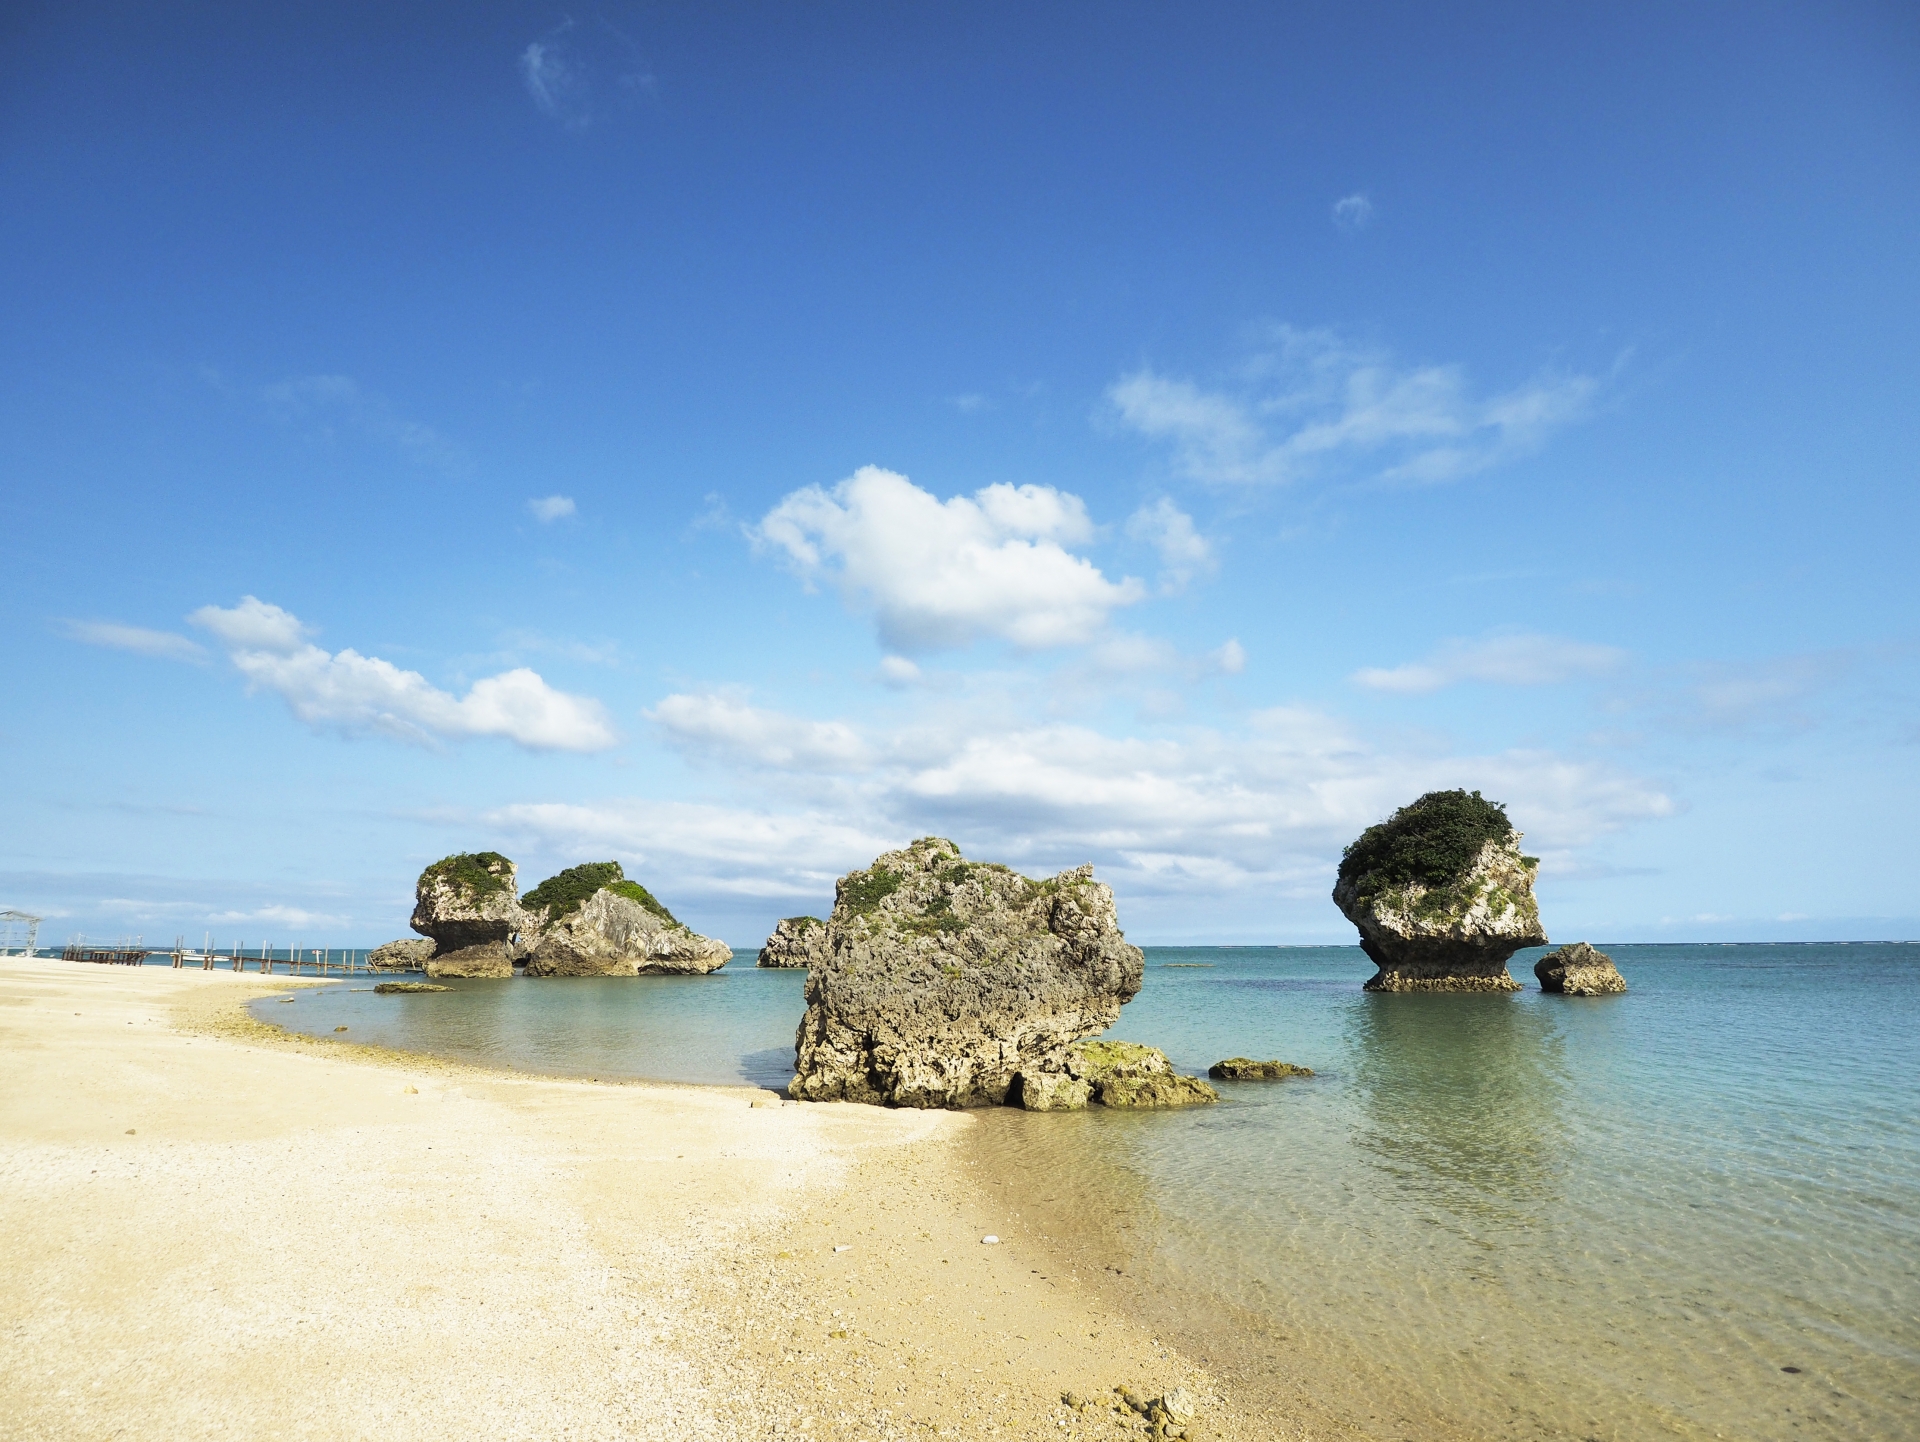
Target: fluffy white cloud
<point x="945" y="573"/>
<point x="1512" y="660"/>
<point x="350" y="692"/>
<point x="551" y="508"/>
<point x="1184" y="552"/>
<point x="166" y="645"/>
<point x="1319" y="404"/>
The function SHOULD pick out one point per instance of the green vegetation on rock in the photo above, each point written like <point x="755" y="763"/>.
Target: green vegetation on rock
<point x="476" y="874"/>
<point x="801" y="921"/>
<point x="865" y="890"/>
<point x="563" y="894"/>
<point x="1430" y="842"/>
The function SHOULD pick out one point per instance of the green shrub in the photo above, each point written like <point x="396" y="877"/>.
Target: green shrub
<point x="1429" y="842"/>
<point x="864" y="890"/>
<point x="475" y="874"/>
<point x="563" y="894"/>
<point x="801" y="921"/>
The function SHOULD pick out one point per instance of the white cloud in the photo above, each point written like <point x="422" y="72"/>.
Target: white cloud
<point x="971" y="402"/>
<point x="1510" y="660"/>
<point x="1320" y="405"/>
<point x="684" y="847"/>
<point x="1184" y="552"/>
<point x="554" y="80"/>
<point x="1266" y="804"/>
<point x="551" y="508"/>
<point x="768" y="738"/>
<point x="945" y="573"/>
<point x="165" y="645"/>
<point x="1231" y="658"/>
<point x="898" y="671"/>
<point x="283" y="915"/>
<point x="349" y="692"/>
<point x="1352" y="212"/>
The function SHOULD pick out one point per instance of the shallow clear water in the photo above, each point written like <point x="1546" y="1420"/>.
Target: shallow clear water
<point x="1507" y="1216"/>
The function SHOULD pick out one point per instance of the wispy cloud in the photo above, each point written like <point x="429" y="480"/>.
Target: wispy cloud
<point x="330" y="403"/>
<point x="165" y="645"/>
<point x="1352" y="212"/>
<point x="1519" y="659"/>
<point x="546" y="509"/>
<point x="565" y="72"/>
<point x="1184" y="552"/>
<point x="941" y="574"/>
<point x="345" y="691"/>
<point x="1317" y="405"/>
<point x="1267" y="802"/>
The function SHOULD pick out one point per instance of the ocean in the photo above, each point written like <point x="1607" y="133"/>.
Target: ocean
<point x="1692" y="1211"/>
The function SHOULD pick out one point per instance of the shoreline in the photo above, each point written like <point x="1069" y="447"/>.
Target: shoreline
<point x="193" y="1199"/>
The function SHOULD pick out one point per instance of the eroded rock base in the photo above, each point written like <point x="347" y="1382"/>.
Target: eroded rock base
<point x="489" y="959"/>
<point x="1442" y="977"/>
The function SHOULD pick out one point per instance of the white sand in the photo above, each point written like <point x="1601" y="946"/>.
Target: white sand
<point x="210" y="1229"/>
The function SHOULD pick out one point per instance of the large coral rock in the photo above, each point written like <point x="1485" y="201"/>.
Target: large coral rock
<point x="1442" y="896"/>
<point x="1579" y="970"/>
<point x="944" y="980"/>
<point x="592" y="921"/>
<point x="409" y="954"/>
<point x="470" y="905"/>
<point x="1127" y="1074"/>
<point x="796" y="941"/>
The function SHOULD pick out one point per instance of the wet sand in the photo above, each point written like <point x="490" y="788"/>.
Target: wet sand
<point x="212" y="1228"/>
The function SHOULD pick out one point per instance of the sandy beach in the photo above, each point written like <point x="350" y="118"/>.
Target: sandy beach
<point x="211" y="1228"/>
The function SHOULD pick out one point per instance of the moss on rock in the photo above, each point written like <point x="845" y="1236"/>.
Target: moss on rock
<point x="1430" y="842"/>
<point x="475" y="875"/>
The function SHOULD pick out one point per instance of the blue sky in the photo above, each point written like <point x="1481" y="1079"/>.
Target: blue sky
<point x="738" y="439"/>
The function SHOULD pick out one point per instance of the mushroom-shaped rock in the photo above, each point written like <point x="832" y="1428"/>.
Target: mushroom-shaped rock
<point x="592" y="921"/>
<point x="1579" y="970"/>
<point x="470" y="905"/>
<point x="944" y="979"/>
<point x="796" y="941"/>
<point x="1442" y="895"/>
<point x="1127" y="1074"/>
<point x="1243" y="1068"/>
<point x="409" y="954"/>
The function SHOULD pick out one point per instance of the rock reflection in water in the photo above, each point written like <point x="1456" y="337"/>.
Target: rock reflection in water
<point x="1460" y="1100"/>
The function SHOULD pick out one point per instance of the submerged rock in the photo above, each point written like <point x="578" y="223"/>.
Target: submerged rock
<point x="1241" y="1068"/>
<point x="796" y="941"/>
<point x="406" y="988"/>
<point x="591" y="921"/>
<point x="943" y="980"/>
<point x="407" y="955"/>
<point x="470" y="905"/>
<point x="1127" y="1074"/>
<point x="1441" y="895"/>
<point x="1054" y="1091"/>
<point x="1579" y="970"/>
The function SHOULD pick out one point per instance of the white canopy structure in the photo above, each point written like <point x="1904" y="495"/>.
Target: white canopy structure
<point x="18" y="932"/>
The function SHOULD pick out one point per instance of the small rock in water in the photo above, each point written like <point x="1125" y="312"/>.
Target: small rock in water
<point x="1241" y="1068"/>
<point x="989" y="1240"/>
<point x="1579" y="970"/>
<point x="389" y="988"/>
<point x="339" y="1028"/>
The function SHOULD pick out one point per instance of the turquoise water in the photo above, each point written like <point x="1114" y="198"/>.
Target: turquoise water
<point x="1486" y="1216"/>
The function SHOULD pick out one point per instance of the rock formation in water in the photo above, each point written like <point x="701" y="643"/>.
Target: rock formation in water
<point x="1114" y="1074"/>
<point x="1579" y="970"/>
<point x="409" y="954"/>
<point x="591" y="921"/>
<point x="1242" y="1068"/>
<point x="470" y="905"/>
<point x="943" y="980"/>
<point x="796" y="941"/>
<point x="1442" y="895"/>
